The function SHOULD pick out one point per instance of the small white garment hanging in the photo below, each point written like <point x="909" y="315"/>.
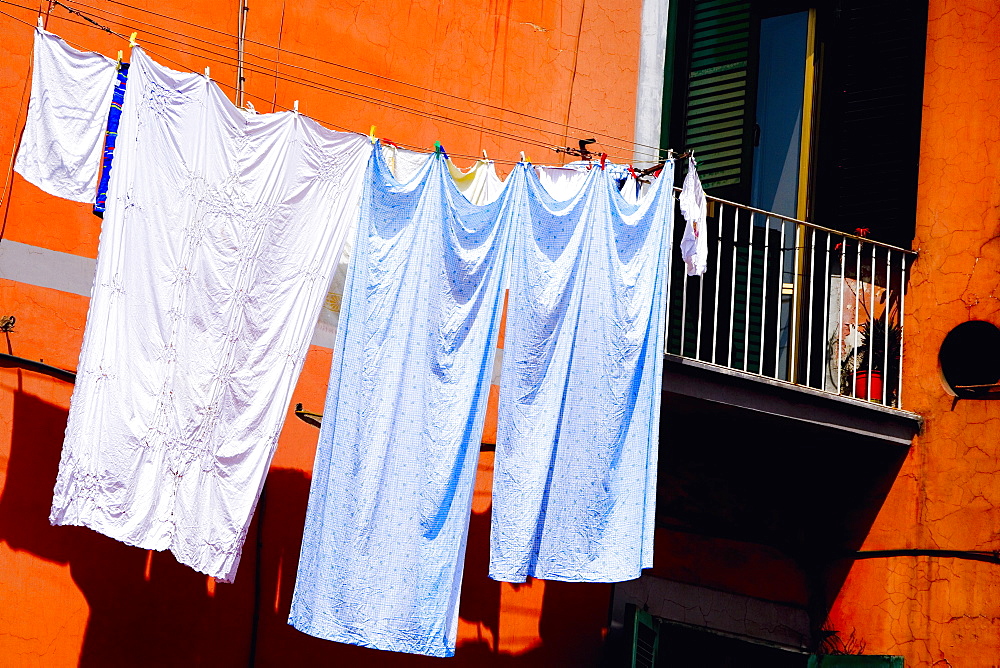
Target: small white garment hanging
<point x="562" y="183"/>
<point x="694" y="208"/>
<point x="479" y="183"/>
<point x="68" y="109"/>
<point x="403" y="163"/>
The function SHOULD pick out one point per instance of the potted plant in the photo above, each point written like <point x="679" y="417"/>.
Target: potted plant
<point x="874" y="363"/>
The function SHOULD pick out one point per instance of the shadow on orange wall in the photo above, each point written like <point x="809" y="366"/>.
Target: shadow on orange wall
<point x="571" y="625"/>
<point x="145" y="607"/>
<point x="143" y="604"/>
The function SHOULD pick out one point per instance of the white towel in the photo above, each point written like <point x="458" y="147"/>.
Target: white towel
<point x="63" y="136"/>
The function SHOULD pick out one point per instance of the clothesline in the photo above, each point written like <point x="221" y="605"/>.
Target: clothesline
<point x="327" y="88"/>
<point x="379" y="76"/>
<point x="561" y="132"/>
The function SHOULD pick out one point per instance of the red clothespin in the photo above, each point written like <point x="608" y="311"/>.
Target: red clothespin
<point x="388" y="142"/>
<point x="604" y="157"/>
<point x="633" y="173"/>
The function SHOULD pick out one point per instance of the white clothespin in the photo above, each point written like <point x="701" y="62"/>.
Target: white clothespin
<point x="523" y="159"/>
<point x="208" y="74"/>
<point x="41" y="22"/>
<point x="250" y="107"/>
<point x="295" y="106"/>
<point x="485" y="157"/>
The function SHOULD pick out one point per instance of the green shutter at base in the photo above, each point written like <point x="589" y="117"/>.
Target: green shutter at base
<point x="644" y="637"/>
<point x="855" y="661"/>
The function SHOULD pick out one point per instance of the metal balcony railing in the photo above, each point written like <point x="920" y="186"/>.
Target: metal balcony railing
<point x="792" y="301"/>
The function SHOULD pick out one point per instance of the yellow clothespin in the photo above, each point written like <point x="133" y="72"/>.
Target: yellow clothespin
<point x="119" y="66"/>
<point x="131" y="40"/>
<point x="371" y="134"/>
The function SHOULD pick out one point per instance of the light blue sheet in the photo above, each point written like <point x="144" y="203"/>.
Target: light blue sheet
<point x="577" y="435"/>
<point x="384" y="542"/>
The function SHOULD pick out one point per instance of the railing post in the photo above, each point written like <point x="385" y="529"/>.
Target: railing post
<point x="795" y="310"/>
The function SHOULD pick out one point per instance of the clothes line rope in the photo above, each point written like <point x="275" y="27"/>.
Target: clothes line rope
<point x="405" y="83"/>
<point x="557" y="132"/>
<point x="317" y="86"/>
<point x="463" y="124"/>
<point x="562" y="127"/>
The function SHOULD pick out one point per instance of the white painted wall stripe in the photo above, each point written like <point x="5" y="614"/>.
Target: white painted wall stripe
<point x="46" y="268"/>
<point x="74" y="274"/>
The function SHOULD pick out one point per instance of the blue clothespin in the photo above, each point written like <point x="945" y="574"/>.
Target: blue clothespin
<point x="440" y="149"/>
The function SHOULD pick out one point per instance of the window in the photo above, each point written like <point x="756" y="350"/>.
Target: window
<point x="808" y="109"/>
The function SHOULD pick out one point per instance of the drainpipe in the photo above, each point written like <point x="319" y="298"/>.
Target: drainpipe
<point x="241" y="32"/>
<point x="650" y="86"/>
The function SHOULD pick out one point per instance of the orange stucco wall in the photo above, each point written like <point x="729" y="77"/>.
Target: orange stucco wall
<point x="70" y="596"/>
<point x="944" y="611"/>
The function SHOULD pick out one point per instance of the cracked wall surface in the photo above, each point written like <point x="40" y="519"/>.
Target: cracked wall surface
<point x="939" y="611"/>
<point x="69" y="596"/>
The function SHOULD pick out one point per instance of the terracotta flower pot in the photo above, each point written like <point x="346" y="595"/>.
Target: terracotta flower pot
<point x="868" y="386"/>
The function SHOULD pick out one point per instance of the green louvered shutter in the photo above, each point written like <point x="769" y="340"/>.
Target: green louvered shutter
<point x="855" y="661"/>
<point x="643" y="637"/>
<point x="715" y="118"/>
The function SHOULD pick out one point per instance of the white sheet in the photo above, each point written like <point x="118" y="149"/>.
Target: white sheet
<point x="220" y="238"/>
<point x="63" y="136"/>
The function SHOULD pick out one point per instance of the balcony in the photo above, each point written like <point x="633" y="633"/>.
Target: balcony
<point x="783" y="364"/>
<point x="793" y="302"/>
<point x="782" y="430"/>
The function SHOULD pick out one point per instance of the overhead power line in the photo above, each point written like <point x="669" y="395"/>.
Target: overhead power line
<point x="558" y="131"/>
<point x="299" y="80"/>
<point x="167" y="59"/>
<point x="398" y="81"/>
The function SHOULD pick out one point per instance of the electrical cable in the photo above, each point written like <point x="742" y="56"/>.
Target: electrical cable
<point x="371" y="74"/>
<point x="560" y="132"/>
<point x="18" y="132"/>
<point x="300" y="81"/>
<point x="363" y="98"/>
<point x="163" y="58"/>
<point x="318" y="86"/>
